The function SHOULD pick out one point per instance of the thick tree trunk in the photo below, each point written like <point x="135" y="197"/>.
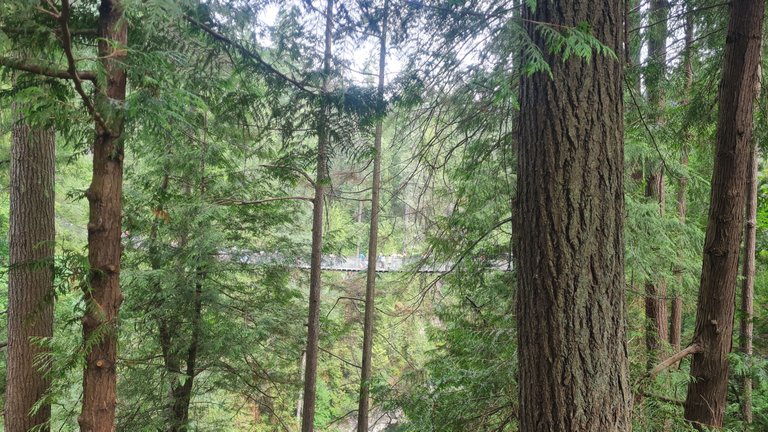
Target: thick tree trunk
<point x="570" y="309"/>
<point x="705" y="403"/>
<point x="655" y="291"/>
<point x="103" y="297"/>
<point x="748" y="282"/>
<point x="30" y="287"/>
<point x="370" y="285"/>
<point x="313" y="322"/>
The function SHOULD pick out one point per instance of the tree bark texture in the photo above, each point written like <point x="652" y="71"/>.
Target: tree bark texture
<point x="30" y="287"/>
<point x="748" y="282"/>
<point x="315" y="280"/>
<point x="103" y="296"/>
<point x="373" y="239"/>
<point x="706" y="400"/>
<point x="572" y="346"/>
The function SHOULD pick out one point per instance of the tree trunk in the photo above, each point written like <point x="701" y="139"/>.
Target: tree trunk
<point x="706" y="400"/>
<point x="30" y="284"/>
<point x="302" y="369"/>
<point x="748" y="283"/>
<point x="370" y="285"/>
<point x="676" y="325"/>
<point x="655" y="291"/>
<point x="182" y="394"/>
<point x="655" y="72"/>
<point x="572" y="345"/>
<point x="103" y="297"/>
<point x="313" y="322"/>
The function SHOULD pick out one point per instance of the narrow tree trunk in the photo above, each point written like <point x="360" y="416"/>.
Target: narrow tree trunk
<point x="706" y="400"/>
<point x="103" y="297"/>
<point x="370" y="285"/>
<point x="655" y="291"/>
<point x="676" y="326"/>
<point x="748" y="283"/>
<point x="30" y="285"/>
<point x="655" y="72"/>
<point x="182" y="395"/>
<point x="676" y="320"/>
<point x="572" y="345"/>
<point x="313" y="322"/>
<point x="302" y="368"/>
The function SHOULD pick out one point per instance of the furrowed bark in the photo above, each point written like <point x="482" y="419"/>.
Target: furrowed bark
<point x="30" y="283"/>
<point x="706" y="400"/>
<point x="103" y="296"/>
<point x="572" y="345"/>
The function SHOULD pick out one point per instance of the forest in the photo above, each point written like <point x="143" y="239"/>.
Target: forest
<point x="383" y="215"/>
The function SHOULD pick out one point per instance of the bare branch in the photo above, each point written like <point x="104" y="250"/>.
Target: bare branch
<point x="66" y="42"/>
<point x="248" y="53"/>
<point x="230" y="201"/>
<point x="692" y="349"/>
<point x="339" y="358"/>
<point x="46" y="71"/>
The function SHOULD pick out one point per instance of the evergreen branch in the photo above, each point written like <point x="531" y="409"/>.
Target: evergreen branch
<point x="228" y="201"/>
<point x="248" y="53"/>
<point x="46" y="71"/>
<point x="66" y="43"/>
<point x="423" y="293"/>
<point x="647" y="128"/>
<point x="664" y="399"/>
<point x="294" y="169"/>
<point x="87" y="32"/>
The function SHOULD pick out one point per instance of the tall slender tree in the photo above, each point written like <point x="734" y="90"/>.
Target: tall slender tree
<point x="315" y="280"/>
<point x="676" y="318"/>
<point x="373" y="239"/>
<point x="103" y="295"/>
<point x="656" y="290"/>
<point x="572" y="349"/>
<point x="30" y="288"/>
<point x="748" y="281"/>
<point x="102" y="291"/>
<point x="706" y="400"/>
